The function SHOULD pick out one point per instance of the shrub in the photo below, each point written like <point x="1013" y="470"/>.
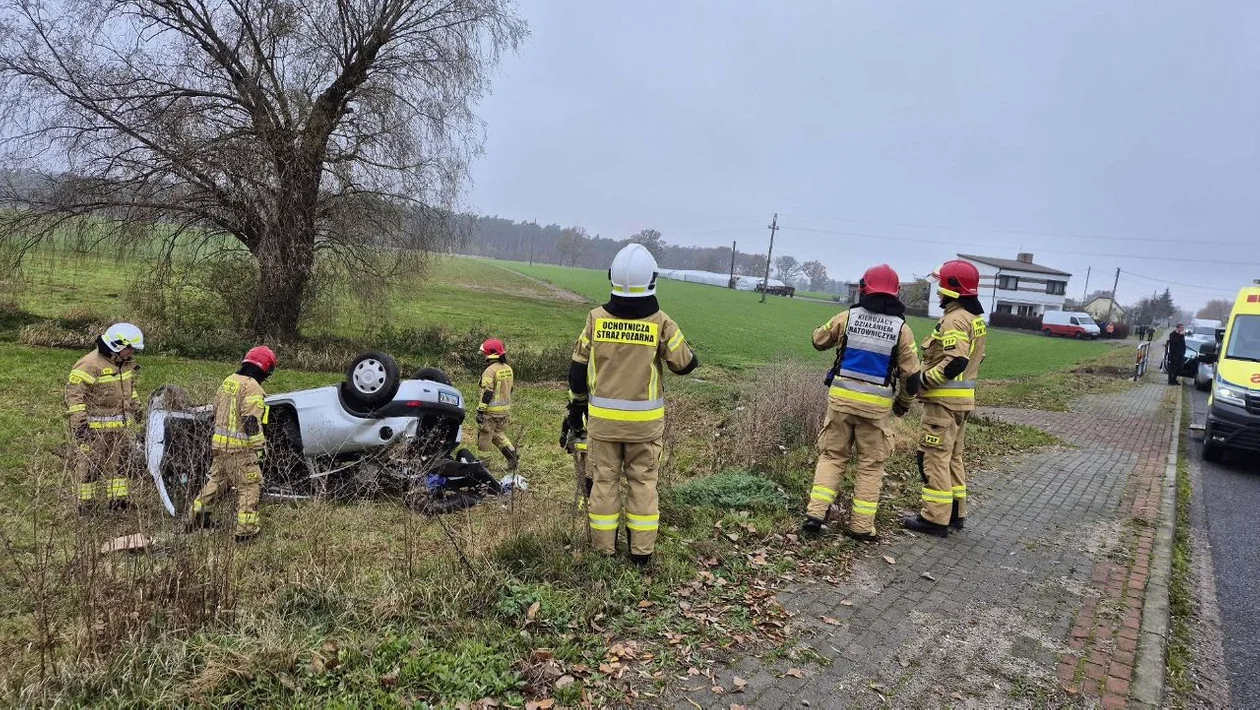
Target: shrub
<point x="1010" y="320"/>
<point x="1119" y="331"/>
<point x="781" y="408"/>
<point x="730" y="490"/>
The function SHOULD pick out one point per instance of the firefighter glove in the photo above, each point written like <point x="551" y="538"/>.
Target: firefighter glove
<point x="577" y="416"/>
<point x="564" y="433"/>
<point x="81" y="432"/>
<point x="900" y="408"/>
<point x="481" y="417"/>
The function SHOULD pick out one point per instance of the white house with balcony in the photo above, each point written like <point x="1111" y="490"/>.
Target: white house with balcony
<point x="1016" y="286"/>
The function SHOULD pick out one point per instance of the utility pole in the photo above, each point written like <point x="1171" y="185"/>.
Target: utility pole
<point x="1085" y="293"/>
<point x="731" y="283"/>
<point x="765" y="283"/>
<point x="1114" y="286"/>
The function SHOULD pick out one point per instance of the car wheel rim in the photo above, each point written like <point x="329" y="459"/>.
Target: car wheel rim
<point x="369" y="376"/>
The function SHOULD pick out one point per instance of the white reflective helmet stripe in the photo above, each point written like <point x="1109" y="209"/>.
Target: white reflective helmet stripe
<point x="633" y="272"/>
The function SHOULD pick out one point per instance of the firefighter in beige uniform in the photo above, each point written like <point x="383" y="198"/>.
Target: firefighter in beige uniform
<point x="495" y="406"/>
<point x="615" y="386"/>
<point x="947" y="385"/>
<point x="102" y="402"/>
<point x="237" y="446"/>
<point x="874" y="376"/>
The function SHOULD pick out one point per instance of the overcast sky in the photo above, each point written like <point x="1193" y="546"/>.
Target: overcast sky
<point x="930" y="127"/>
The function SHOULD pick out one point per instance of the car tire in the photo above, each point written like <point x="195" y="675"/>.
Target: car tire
<point x="1213" y="453"/>
<point x="371" y="380"/>
<point x="1048" y="332"/>
<point x="432" y="374"/>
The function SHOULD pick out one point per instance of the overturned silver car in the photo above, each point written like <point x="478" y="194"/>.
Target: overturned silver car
<point x="374" y="434"/>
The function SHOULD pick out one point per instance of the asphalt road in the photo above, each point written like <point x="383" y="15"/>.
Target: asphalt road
<point x="1231" y="500"/>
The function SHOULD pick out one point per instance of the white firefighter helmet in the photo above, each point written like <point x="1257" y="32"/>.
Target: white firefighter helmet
<point x="122" y="335"/>
<point x="633" y="272"/>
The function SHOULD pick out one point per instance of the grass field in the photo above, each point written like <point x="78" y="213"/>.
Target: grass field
<point x="535" y="306"/>
<point x="365" y="603"/>
<point x="734" y="329"/>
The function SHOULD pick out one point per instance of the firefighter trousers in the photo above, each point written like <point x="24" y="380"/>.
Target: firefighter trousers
<point x="492" y="431"/>
<point x="941" y="441"/>
<point x="236" y="470"/>
<point x="101" y="457"/>
<point x="640" y="463"/>
<point x="840" y="433"/>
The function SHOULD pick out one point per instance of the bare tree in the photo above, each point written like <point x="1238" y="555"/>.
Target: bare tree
<point x="651" y="239"/>
<point x="572" y="245"/>
<point x="787" y="268"/>
<point x="816" y="271"/>
<point x="751" y="265"/>
<point x="1216" y="309"/>
<point x="291" y="128"/>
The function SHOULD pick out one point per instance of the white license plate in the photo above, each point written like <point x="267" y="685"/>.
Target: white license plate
<point x="448" y="398"/>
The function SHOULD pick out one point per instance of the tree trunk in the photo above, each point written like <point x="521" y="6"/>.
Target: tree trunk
<point x="286" y="259"/>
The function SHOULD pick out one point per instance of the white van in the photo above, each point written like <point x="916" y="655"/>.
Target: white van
<point x="1069" y="324"/>
<point x="1205" y="327"/>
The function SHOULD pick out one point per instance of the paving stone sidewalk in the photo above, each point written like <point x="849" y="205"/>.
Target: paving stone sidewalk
<point x="1038" y="603"/>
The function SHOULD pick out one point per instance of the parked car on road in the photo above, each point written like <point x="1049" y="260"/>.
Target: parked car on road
<point x="1196" y="367"/>
<point x="1069" y="324"/>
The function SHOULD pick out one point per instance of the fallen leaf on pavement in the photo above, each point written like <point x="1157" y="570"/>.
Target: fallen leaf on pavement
<point x="846" y="602"/>
<point x="928" y="575"/>
<point x="740" y="684"/>
<point x="890" y="559"/>
<point x="796" y="673"/>
<point x="831" y="620"/>
<point x="717" y="690"/>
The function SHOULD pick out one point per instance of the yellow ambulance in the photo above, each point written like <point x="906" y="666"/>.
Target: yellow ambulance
<point x="1233" y="420"/>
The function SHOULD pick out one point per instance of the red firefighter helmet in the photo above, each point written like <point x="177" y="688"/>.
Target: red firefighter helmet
<point x="493" y="348"/>
<point x="880" y="279"/>
<point x="957" y="279"/>
<point x="262" y="356"/>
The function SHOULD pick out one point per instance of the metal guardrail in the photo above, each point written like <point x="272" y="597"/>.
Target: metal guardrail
<point x="1139" y="367"/>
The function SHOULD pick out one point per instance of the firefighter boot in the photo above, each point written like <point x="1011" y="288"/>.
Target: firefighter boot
<point x="862" y="536"/>
<point x="918" y="523"/>
<point x="813" y="527"/>
<point x="956" y="520"/>
<point x="513" y="458"/>
<point x="201" y="520"/>
<point x="641" y="561"/>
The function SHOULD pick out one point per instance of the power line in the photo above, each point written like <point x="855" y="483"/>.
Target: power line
<point x="1072" y="235"/>
<point x="1163" y="282"/>
<point x="938" y="242"/>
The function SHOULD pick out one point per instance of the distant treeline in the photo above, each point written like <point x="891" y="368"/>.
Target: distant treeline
<point x="499" y="238"/>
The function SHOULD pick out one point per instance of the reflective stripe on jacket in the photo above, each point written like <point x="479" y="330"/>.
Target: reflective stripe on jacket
<point x="957" y="334"/>
<point x="624" y="361"/>
<point x="238" y="398"/>
<point x="101" y="393"/>
<point x="498" y="381"/>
